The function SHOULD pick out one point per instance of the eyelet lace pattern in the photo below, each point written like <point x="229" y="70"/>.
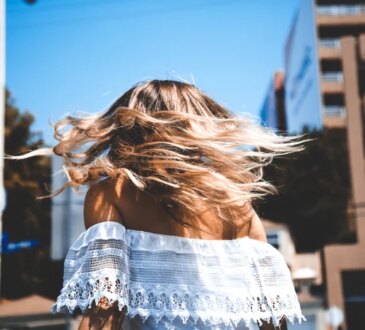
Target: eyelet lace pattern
<point x="163" y="276"/>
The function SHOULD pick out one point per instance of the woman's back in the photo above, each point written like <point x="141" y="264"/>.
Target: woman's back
<point x="142" y="210"/>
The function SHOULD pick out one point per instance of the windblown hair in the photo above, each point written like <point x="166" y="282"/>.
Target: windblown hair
<point x="171" y="139"/>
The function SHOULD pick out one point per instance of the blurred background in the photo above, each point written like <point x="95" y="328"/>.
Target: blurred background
<point x="297" y="65"/>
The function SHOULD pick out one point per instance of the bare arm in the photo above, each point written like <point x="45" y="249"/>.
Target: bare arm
<point x="103" y="316"/>
<point x="99" y="207"/>
<point x="257" y="231"/>
<point x="269" y="326"/>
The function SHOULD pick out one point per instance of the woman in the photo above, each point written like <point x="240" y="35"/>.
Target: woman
<point x="171" y="239"/>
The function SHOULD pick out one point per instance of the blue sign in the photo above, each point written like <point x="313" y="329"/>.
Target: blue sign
<point x="9" y="247"/>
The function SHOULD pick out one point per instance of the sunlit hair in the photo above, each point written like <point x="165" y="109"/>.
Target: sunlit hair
<point x="171" y="139"/>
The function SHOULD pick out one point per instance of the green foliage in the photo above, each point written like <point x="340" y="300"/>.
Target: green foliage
<point x="24" y="272"/>
<point x="314" y="190"/>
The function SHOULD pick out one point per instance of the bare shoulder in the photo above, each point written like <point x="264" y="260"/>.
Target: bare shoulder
<point x="100" y="206"/>
<point x="100" y="203"/>
<point x="257" y="230"/>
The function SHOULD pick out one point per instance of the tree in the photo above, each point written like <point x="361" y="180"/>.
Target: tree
<point x="25" y="218"/>
<point x="314" y="191"/>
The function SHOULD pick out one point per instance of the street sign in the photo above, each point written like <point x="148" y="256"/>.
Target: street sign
<point x="9" y="247"/>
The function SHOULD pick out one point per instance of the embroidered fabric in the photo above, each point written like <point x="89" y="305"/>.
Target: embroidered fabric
<point x="164" y="279"/>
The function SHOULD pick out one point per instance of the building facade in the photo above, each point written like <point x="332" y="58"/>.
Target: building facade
<point x="325" y="89"/>
<point x="272" y="112"/>
<point x="324" y="61"/>
<point x="67" y="213"/>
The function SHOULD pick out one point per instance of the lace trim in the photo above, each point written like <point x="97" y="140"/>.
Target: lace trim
<point x="170" y="301"/>
<point x="168" y="276"/>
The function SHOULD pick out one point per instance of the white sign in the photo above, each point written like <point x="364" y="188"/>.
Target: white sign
<point x="302" y="86"/>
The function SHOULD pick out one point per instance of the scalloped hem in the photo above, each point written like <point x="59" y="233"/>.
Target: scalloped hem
<point x="294" y="316"/>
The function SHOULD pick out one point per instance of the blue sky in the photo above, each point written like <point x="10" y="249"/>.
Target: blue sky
<point x="65" y="56"/>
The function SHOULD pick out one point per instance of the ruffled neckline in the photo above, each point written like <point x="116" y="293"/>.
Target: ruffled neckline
<point x="169" y="236"/>
<point x="145" y="240"/>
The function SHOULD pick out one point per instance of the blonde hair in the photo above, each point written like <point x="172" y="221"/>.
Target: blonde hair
<point x="170" y="138"/>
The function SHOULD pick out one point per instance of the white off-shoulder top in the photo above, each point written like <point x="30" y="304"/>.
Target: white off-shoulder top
<point x="173" y="282"/>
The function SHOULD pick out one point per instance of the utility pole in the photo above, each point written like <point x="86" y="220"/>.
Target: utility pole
<point x="2" y="115"/>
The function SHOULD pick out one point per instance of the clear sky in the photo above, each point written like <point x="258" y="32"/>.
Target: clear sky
<point x="79" y="55"/>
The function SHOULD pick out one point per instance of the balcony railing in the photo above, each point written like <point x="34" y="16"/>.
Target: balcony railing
<point x="341" y="10"/>
<point x="332" y="77"/>
<point x="334" y="111"/>
<point x="330" y="43"/>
